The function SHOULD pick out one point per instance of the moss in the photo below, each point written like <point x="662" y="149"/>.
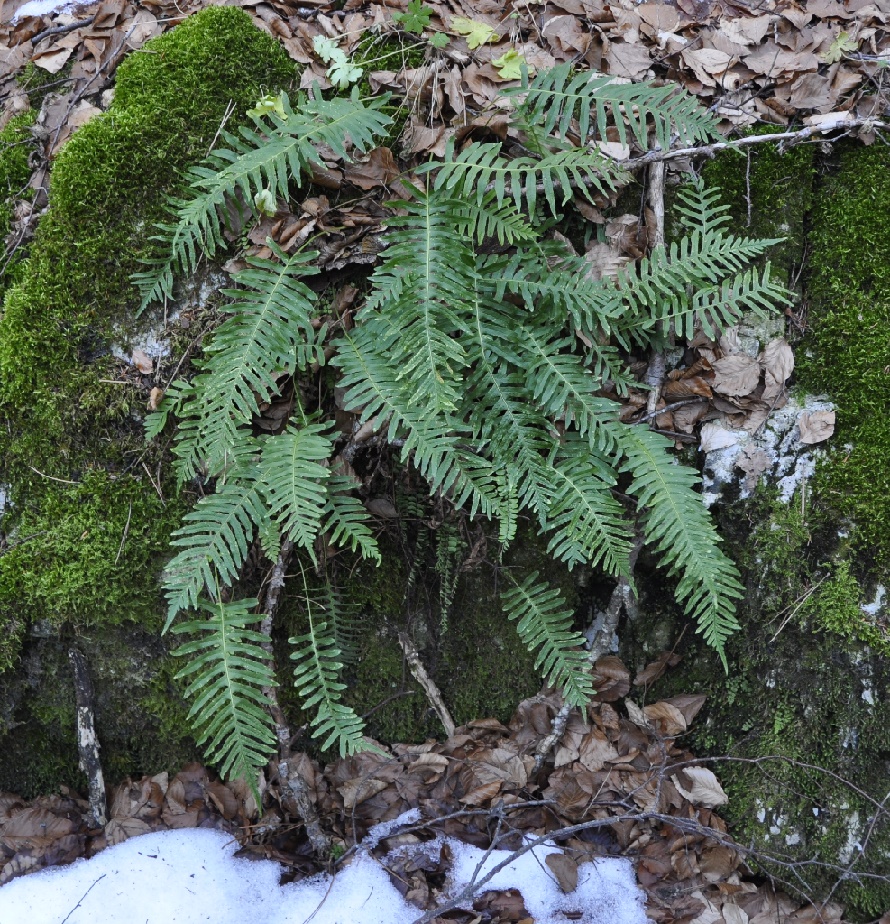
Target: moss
<point x="793" y="694"/>
<point x="108" y="186"/>
<point x="85" y="533"/>
<point x="15" y="149"/>
<point x="770" y="193"/>
<point x="849" y="304"/>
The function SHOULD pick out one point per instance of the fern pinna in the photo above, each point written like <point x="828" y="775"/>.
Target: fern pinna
<point x="480" y="350"/>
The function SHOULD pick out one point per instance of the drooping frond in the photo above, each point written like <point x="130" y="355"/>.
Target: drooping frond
<point x="479" y="170"/>
<point x="587" y="523"/>
<point x="346" y="518"/>
<point x="434" y="443"/>
<point x="678" y="527"/>
<point x="490" y="219"/>
<point x="267" y="335"/>
<point x="293" y="481"/>
<point x="419" y="291"/>
<point x="213" y="543"/>
<point x="563" y="387"/>
<point x="318" y="663"/>
<point x="719" y="307"/>
<point x="266" y="157"/>
<point x="560" y="94"/>
<point x="514" y="431"/>
<point x="227" y="671"/>
<point x="545" y="623"/>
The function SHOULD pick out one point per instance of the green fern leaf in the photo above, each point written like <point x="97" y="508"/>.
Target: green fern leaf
<point x="268" y="335"/>
<point x="228" y="671"/>
<point x="560" y="94"/>
<point x="213" y="541"/>
<point x="679" y="528"/>
<point x="293" y="481"/>
<point x="318" y="663"/>
<point x="546" y="624"/>
<point x="346" y="519"/>
<point x="588" y="524"/>
<point x="266" y="157"/>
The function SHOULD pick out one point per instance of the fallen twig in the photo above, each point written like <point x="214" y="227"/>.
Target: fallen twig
<point x="419" y="673"/>
<point x="87" y="741"/>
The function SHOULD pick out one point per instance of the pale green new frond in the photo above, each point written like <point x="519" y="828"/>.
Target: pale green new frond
<point x="419" y="291"/>
<point x="680" y="530"/>
<point x="563" y="387"/>
<point x="227" y="671"/>
<point x="293" y="481"/>
<point x="545" y="623"/>
<point x="318" y="663"/>
<point x="268" y="335"/>
<point x="266" y="157"/>
<point x="213" y="542"/>
<point x="346" y="519"/>
<point x="587" y="523"/>
<point x="560" y="94"/>
<point x="480" y="170"/>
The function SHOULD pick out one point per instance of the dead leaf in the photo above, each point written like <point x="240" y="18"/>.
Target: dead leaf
<point x="777" y="361"/>
<point x="143" y="362"/>
<point x="565" y="869"/>
<point x="708" y="64"/>
<point x="666" y="717"/>
<point x="736" y="375"/>
<point x="706" y="789"/>
<point x="816" y="426"/>
<point x="714" y="435"/>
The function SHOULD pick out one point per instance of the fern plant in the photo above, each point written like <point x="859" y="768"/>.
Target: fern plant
<point x="484" y="364"/>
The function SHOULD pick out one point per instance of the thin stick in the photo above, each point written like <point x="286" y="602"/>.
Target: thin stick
<point x="87" y="741"/>
<point x="51" y="477"/>
<point x="427" y="683"/>
<point x="126" y="530"/>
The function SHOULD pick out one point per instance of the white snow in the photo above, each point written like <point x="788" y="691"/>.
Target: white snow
<point x="42" y="7"/>
<point x="191" y="876"/>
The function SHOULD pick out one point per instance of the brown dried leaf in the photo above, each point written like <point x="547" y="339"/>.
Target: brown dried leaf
<point x="666" y="717"/>
<point x="377" y="169"/>
<point x="816" y="426"/>
<point x="565" y="869"/>
<point x="705" y="789"/>
<point x="736" y="375"/>
<point x="611" y="679"/>
<point x="777" y="360"/>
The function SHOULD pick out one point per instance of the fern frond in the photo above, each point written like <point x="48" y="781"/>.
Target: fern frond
<point x="268" y="334"/>
<point x="563" y="387"/>
<point x="433" y="443"/>
<point x="587" y="522"/>
<point x="680" y="530"/>
<point x="293" y="481"/>
<point x="227" y="671"/>
<point x="545" y="623"/>
<point x="515" y="433"/>
<point x="489" y="219"/>
<point x="266" y="157"/>
<point x="317" y="668"/>
<point x="419" y="291"/>
<point x="560" y="94"/>
<point x="346" y="519"/>
<point x="213" y="542"/>
<point x="479" y="170"/>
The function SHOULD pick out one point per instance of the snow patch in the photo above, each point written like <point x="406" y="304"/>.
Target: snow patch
<point x="187" y="876"/>
<point x="42" y="7"/>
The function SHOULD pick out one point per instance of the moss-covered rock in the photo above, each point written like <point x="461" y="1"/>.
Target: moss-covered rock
<point x="84" y="523"/>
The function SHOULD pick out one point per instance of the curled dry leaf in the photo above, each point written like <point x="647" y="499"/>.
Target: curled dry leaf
<point x="816" y="426"/>
<point x="777" y="360"/>
<point x="565" y="869"/>
<point x="666" y="717"/>
<point x="705" y="790"/>
<point x="143" y="362"/>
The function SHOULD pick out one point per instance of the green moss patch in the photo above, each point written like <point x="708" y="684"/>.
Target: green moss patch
<point x="847" y="353"/>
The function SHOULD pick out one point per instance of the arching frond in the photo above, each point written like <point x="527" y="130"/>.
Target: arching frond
<point x="679" y="528"/>
<point x="480" y="170"/>
<point x="346" y="518"/>
<point x="293" y="481"/>
<point x="587" y="523"/>
<point x="227" y="670"/>
<point x="265" y="157"/>
<point x="560" y="94"/>
<point x="213" y="543"/>
<point x="268" y="335"/>
<point x="318" y="662"/>
<point x="545" y="624"/>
